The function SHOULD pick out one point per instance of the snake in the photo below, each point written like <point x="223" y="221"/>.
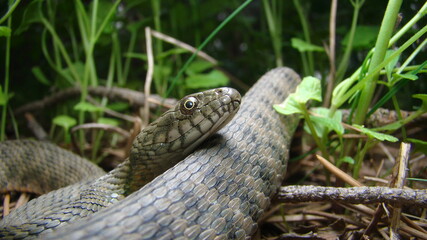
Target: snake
<point x="218" y="191"/>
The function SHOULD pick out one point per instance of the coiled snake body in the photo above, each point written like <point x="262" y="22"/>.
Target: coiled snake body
<point x="217" y="192"/>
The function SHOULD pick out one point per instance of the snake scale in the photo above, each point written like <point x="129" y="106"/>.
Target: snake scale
<point x="217" y="192"/>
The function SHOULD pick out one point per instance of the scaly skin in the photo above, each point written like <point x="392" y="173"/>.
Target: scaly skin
<point x="218" y="192"/>
<point x="158" y="147"/>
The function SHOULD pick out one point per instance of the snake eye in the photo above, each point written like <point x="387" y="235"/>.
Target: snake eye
<point x="188" y="105"/>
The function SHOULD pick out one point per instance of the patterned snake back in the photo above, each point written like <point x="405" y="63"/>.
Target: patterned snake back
<point x="219" y="191"/>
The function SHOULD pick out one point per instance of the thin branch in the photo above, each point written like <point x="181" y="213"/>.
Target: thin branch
<point x="35" y="127"/>
<point x="200" y="54"/>
<point x="183" y="45"/>
<point x="331" y="77"/>
<point x="398" y="181"/>
<point x="149" y="76"/>
<point x="105" y="127"/>
<point x="354" y="195"/>
<point x="135" y="98"/>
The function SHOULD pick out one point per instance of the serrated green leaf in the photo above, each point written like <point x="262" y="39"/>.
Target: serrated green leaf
<point x="308" y="89"/>
<point x="289" y="106"/>
<point x="323" y="123"/>
<point x="87" y="107"/>
<point x="372" y="134"/>
<point x="5" y="31"/>
<point x="40" y="75"/>
<point x="109" y="121"/>
<point x="212" y="79"/>
<point x="64" y="121"/>
<point x="303" y="46"/>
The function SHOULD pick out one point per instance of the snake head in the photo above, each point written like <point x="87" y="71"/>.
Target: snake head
<point x="181" y="129"/>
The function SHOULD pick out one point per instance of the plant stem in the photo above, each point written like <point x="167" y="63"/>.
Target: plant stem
<point x="346" y="56"/>
<point x="10" y="10"/>
<point x="421" y="13"/>
<point x="62" y="49"/>
<point x="310" y="125"/>
<point x="342" y="96"/>
<point x="381" y="46"/>
<point x="274" y="26"/>
<point x="309" y="69"/>
<point x="6" y="82"/>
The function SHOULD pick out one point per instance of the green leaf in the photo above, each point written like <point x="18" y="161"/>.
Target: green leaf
<point x="364" y="37"/>
<point x="372" y="134"/>
<point x="390" y="66"/>
<point x="33" y="14"/>
<point x="87" y="107"/>
<point x="118" y="106"/>
<point x="5" y="31"/>
<point x="420" y="146"/>
<point x="308" y="89"/>
<point x="3" y="97"/>
<point x="173" y="51"/>
<point x="78" y="66"/>
<point x="109" y="121"/>
<point x="64" y="121"/>
<point x="341" y="89"/>
<point x="212" y="79"/>
<point x="139" y="56"/>
<point x="408" y="76"/>
<point x="289" y="106"/>
<point x="417" y="179"/>
<point x="390" y="127"/>
<point x="422" y="97"/>
<point x="103" y="10"/>
<point x="40" y="75"/>
<point x="323" y="123"/>
<point x="303" y="46"/>
<point x="347" y="159"/>
<point x="162" y="71"/>
<point x="198" y="67"/>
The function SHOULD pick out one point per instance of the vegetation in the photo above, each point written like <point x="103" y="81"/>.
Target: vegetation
<point x="357" y="55"/>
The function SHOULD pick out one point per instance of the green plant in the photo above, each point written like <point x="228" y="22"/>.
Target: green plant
<point x="359" y="88"/>
<point x="6" y="31"/>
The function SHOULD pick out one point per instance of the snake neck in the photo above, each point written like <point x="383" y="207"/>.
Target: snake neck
<point x="111" y="187"/>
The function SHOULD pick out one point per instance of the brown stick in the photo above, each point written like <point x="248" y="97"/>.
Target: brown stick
<point x="133" y="97"/>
